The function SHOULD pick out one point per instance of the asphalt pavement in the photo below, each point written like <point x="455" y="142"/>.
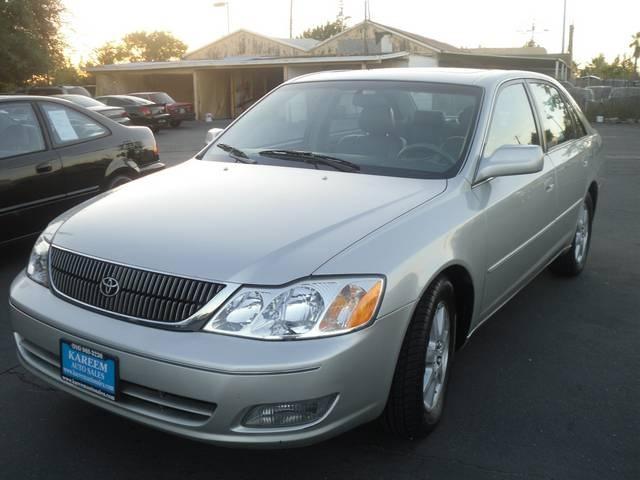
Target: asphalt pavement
<point x="549" y="388"/>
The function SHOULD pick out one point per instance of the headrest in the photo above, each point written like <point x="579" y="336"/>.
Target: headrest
<point x="431" y="118"/>
<point x="464" y="117"/>
<point x="377" y="120"/>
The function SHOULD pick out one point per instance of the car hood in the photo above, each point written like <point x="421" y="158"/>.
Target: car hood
<point x="255" y="224"/>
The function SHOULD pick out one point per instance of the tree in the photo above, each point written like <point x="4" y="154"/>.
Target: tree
<point x="141" y="47"/>
<point x="618" y="68"/>
<point x="30" y="40"/>
<point x="329" y="29"/>
<point x="635" y="44"/>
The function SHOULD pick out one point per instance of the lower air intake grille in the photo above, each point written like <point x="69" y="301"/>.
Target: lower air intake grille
<point x="128" y="291"/>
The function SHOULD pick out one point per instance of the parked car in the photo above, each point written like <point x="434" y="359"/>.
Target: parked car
<point x="319" y="263"/>
<point x="140" y="111"/>
<point x="623" y="104"/>
<point x="179" y="111"/>
<point x="624" y="92"/>
<point x="117" y="114"/>
<point x="600" y="92"/>
<point x="57" y="90"/>
<point x="54" y="154"/>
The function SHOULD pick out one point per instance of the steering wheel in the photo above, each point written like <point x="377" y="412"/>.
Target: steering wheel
<point x="427" y="152"/>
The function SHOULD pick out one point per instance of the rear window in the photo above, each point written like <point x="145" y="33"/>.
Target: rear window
<point x="78" y="91"/>
<point x="137" y="101"/>
<point x="19" y="130"/>
<point x="162" y="98"/>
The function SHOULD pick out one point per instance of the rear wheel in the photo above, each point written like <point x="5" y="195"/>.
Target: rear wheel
<point x="118" y="180"/>
<point x="175" y="123"/>
<point x="572" y="262"/>
<point x="417" y="393"/>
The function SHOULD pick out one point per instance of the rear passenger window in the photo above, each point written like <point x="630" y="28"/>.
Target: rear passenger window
<point x="557" y="122"/>
<point x="69" y="126"/>
<point x="512" y="122"/>
<point x="19" y="130"/>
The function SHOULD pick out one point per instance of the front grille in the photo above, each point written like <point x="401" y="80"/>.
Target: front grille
<point x="141" y="294"/>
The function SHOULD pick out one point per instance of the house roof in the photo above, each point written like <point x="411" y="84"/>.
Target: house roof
<point x="299" y="43"/>
<point x="247" y="61"/>
<point x="426" y="41"/>
<point x="302" y="44"/>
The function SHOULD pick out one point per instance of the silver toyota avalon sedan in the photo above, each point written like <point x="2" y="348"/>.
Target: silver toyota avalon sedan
<point x="319" y="263"/>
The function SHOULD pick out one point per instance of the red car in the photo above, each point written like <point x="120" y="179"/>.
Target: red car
<point x="178" y="111"/>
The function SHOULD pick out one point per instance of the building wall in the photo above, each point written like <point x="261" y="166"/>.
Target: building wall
<point x="118" y="83"/>
<point x="422" y="61"/>
<point x="378" y="40"/>
<point x="213" y="93"/>
<point x="243" y="43"/>
<point x="179" y="86"/>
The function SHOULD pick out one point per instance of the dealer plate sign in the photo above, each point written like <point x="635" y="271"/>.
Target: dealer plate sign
<point x="89" y="369"/>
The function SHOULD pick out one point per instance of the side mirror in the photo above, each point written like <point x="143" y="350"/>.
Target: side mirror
<point x="511" y="160"/>
<point x="212" y="134"/>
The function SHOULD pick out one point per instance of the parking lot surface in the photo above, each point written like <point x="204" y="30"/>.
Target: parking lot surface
<point x="179" y="144"/>
<point x="548" y="388"/>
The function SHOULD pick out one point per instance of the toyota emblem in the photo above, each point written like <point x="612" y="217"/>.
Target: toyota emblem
<point x="109" y="286"/>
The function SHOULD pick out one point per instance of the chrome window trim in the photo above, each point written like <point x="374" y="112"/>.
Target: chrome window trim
<point x="191" y="323"/>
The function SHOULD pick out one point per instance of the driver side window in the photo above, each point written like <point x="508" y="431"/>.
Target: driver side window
<point x="512" y="122"/>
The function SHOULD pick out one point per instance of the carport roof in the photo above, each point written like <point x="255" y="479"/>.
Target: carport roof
<point x="245" y="62"/>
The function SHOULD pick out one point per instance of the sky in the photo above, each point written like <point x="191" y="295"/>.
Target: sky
<point x="600" y="27"/>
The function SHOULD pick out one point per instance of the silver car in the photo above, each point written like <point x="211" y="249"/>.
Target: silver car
<point x="319" y="263"/>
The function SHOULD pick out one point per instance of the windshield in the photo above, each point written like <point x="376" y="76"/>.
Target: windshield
<point x="407" y="129"/>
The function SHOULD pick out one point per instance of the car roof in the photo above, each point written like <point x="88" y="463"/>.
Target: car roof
<point x="125" y="97"/>
<point x="462" y="76"/>
<point x="41" y="98"/>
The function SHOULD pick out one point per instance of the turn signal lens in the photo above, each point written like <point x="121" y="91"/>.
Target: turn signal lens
<point x="366" y="307"/>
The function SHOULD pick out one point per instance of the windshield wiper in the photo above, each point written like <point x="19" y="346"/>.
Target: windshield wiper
<point x="235" y="153"/>
<point x="312" y="158"/>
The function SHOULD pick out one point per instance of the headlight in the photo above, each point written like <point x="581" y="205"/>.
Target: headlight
<point x="38" y="266"/>
<point x="312" y="308"/>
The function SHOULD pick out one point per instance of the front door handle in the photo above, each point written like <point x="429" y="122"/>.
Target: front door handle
<point x="548" y="185"/>
<point x="44" y="168"/>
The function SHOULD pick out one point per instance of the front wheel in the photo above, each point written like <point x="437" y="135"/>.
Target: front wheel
<point x="417" y="393"/>
<point x="572" y="262"/>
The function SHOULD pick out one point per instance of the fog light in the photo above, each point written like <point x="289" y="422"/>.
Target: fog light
<point x="288" y="414"/>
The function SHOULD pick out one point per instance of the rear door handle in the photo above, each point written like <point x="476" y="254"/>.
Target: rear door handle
<point x="44" y="168"/>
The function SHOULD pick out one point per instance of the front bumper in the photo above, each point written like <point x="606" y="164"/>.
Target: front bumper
<point x="200" y="385"/>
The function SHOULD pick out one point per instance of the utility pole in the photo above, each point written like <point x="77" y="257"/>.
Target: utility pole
<point x="224" y="4"/>
<point x="291" y="19"/>
<point x="564" y="23"/>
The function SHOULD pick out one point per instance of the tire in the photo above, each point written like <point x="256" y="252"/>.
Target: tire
<point x="573" y="261"/>
<point x="408" y="412"/>
<point x="117" y="181"/>
<point x="175" y="123"/>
